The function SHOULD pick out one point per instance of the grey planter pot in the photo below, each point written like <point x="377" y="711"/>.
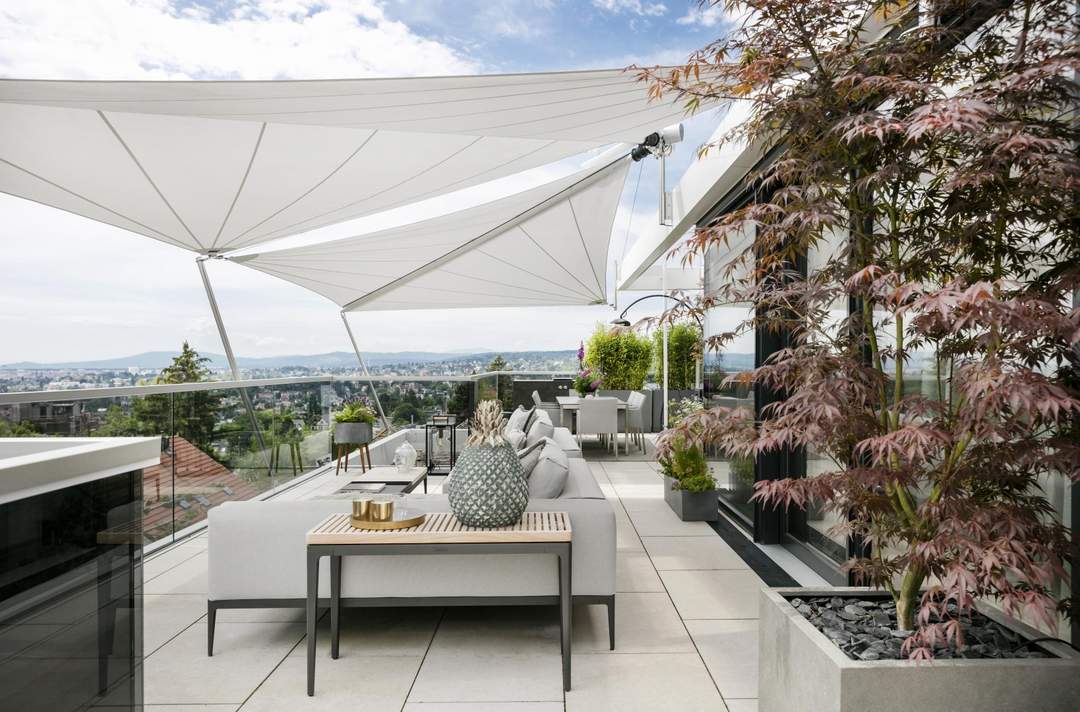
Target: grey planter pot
<point x="800" y="670"/>
<point x="691" y="506"/>
<point x="352" y="433"/>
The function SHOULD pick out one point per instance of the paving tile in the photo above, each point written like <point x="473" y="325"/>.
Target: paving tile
<point x="180" y="672"/>
<point x="641" y="682"/>
<point x="714" y="594"/>
<point x="730" y="651"/>
<point x="17" y="638"/>
<point x="189" y="576"/>
<point x="167" y="708"/>
<point x="741" y="705"/>
<point x="171" y="557"/>
<point x="626" y="537"/>
<point x="661" y="521"/>
<point x="642" y="493"/>
<point x="166" y="616"/>
<point x="378" y="631"/>
<point x="634" y="573"/>
<point x="492" y="655"/>
<point x="684" y="552"/>
<point x="373" y="685"/>
<point x="644" y="623"/>
<point x="484" y="707"/>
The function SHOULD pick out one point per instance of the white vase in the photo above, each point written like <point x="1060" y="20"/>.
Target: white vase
<point x="405" y="457"/>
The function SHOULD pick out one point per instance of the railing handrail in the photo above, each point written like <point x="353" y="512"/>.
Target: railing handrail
<point x="73" y="394"/>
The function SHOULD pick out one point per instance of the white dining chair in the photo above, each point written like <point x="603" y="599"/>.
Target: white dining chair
<point x="552" y="409"/>
<point x="599" y="416"/>
<point x="635" y="417"/>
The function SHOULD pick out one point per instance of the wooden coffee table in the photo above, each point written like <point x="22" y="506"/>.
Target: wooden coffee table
<point x="441" y="533"/>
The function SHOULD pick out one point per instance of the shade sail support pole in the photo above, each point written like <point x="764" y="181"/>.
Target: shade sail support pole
<point x="201" y="263"/>
<point x="367" y="375"/>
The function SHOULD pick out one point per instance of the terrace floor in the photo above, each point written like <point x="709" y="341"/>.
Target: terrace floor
<point x="686" y="635"/>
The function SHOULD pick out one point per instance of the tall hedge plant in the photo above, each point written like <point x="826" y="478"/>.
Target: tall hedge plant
<point x="621" y="358"/>
<point x="684" y="347"/>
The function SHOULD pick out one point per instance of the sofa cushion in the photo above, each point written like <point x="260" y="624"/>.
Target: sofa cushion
<point x="540" y="429"/>
<point x="548" y="478"/>
<point x="516" y="438"/>
<point x="518" y="420"/>
<point x="580" y="483"/>
<point x="565" y="439"/>
<point x="529" y="456"/>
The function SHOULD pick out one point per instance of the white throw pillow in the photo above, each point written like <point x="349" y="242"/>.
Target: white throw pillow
<point x="517" y="419"/>
<point x="516" y="438"/>
<point x="548" y="478"/>
<point x="541" y="428"/>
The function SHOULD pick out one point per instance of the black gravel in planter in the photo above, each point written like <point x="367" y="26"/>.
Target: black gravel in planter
<point x="865" y="629"/>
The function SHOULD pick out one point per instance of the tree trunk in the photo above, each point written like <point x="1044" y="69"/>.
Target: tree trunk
<point x="907" y="599"/>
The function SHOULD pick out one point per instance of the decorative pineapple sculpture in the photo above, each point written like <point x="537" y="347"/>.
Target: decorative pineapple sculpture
<point x="487" y="486"/>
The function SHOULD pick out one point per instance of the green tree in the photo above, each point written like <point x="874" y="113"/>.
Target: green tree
<point x="21" y="429"/>
<point x="620" y="357"/>
<point x="505" y="389"/>
<point x="407" y="413"/>
<point x="193" y="415"/>
<point x="684" y="349"/>
<point x="119" y="423"/>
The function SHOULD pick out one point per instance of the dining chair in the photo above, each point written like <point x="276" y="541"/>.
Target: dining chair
<point x="552" y="409"/>
<point x="599" y="416"/>
<point x="635" y="417"/>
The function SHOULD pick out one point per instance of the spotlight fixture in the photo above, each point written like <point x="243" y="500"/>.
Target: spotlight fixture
<point x="620" y="322"/>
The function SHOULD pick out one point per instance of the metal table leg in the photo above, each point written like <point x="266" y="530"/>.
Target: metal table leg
<point x="566" y="613"/>
<point x="312" y="610"/>
<point x="335" y="604"/>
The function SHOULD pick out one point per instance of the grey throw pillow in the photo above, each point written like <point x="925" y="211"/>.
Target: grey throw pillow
<point x="540" y="429"/>
<point x="548" y="478"/>
<point x="530" y="456"/>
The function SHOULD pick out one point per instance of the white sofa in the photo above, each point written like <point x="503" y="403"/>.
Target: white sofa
<point x="257" y="556"/>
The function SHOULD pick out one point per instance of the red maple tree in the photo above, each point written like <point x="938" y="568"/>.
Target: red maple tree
<point x="923" y="154"/>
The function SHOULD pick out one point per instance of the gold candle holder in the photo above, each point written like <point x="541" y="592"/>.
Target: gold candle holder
<point x="382" y="510"/>
<point x="361" y="507"/>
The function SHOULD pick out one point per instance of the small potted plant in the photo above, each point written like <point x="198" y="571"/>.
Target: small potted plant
<point x="586" y="381"/>
<point x="354" y="424"/>
<point x="689" y="487"/>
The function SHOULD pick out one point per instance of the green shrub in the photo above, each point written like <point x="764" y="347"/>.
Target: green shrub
<point x="355" y="413"/>
<point x="684" y="346"/>
<point x="619" y="358"/>
<point x="687" y="466"/>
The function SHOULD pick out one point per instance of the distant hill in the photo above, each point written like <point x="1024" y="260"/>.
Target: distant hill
<point x="335" y="359"/>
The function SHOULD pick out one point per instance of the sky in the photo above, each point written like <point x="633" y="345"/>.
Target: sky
<point x="73" y="289"/>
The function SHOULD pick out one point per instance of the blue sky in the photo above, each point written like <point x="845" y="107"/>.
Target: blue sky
<point x="72" y="288"/>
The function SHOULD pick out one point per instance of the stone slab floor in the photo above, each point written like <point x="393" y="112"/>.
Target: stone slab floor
<point x="686" y="635"/>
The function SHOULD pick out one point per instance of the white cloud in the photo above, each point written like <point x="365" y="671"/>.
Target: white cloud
<point x="256" y="39"/>
<point x="633" y="7"/>
<point x="710" y="16"/>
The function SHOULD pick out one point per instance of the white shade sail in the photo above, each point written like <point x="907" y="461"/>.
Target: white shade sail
<point x="218" y="166"/>
<point x="543" y="246"/>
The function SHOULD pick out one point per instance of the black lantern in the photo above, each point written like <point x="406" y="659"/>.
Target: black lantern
<point x="440" y="444"/>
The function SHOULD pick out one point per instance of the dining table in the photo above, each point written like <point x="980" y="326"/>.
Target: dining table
<point x="570" y="404"/>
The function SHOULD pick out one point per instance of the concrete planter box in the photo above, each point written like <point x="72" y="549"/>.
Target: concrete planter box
<point x="691" y="506"/>
<point x="352" y="433"/>
<point x="800" y="670"/>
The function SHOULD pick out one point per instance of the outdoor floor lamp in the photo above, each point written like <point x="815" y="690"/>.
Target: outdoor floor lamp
<point x="621" y="320"/>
